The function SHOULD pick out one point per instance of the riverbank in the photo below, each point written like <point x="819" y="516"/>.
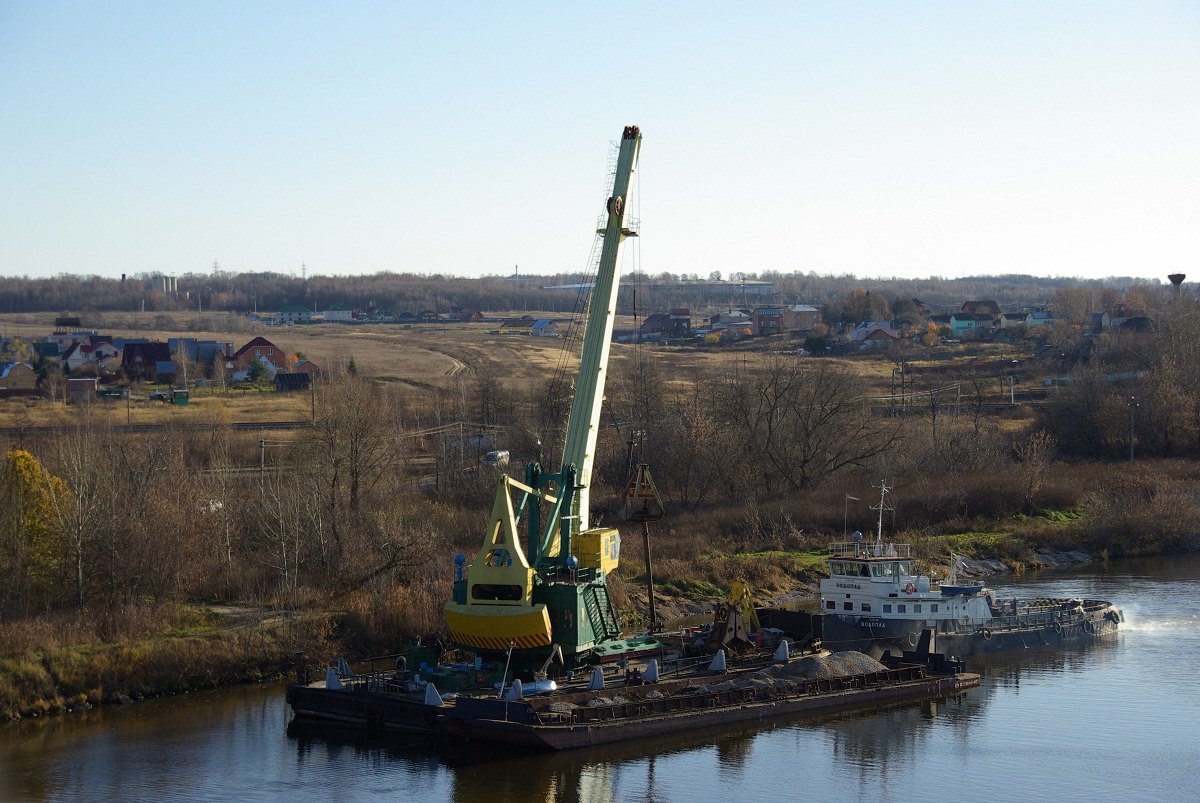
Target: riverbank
<point x="52" y="666"/>
<point x="191" y="647"/>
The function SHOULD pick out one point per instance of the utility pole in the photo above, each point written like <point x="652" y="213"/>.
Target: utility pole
<point x="1133" y="405"/>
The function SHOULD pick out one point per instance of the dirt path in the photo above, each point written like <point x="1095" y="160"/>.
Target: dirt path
<point x="243" y="617"/>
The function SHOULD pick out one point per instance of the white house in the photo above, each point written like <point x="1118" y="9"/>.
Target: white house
<point x="544" y="327"/>
<point x="338" y="314"/>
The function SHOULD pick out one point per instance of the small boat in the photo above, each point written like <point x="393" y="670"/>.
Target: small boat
<point x="875" y="600"/>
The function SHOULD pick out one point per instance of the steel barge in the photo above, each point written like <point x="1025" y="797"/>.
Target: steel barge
<point x="673" y="708"/>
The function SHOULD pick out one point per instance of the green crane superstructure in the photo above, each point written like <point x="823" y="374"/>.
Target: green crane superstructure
<point x="552" y="592"/>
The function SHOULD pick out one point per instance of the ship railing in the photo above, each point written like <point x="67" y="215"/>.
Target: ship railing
<point x="1022" y="616"/>
<point x="866" y="549"/>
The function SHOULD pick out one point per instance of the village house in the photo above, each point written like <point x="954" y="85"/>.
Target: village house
<point x="271" y="356"/>
<point x="338" y="313"/>
<point x="203" y="353"/>
<point x="520" y="325"/>
<point x="679" y="324"/>
<point x="985" y="306"/>
<point x="82" y="388"/>
<point x="294" y="315"/>
<point x="784" y="320"/>
<point x="874" y="335"/>
<point x="465" y="314"/>
<point x="17" y="379"/>
<point x="46" y="349"/>
<point x="544" y="327"/>
<point x="288" y="382"/>
<point x="1010" y="320"/>
<point x="977" y="324"/>
<point x="306" y="367"/>
<point x="75" y="357"/>
<point x="654" y="326"/>
<point x="148" y="360"/>
<point x="732" y="324"/>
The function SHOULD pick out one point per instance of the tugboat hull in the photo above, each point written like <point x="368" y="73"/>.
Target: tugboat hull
<point x="1072" y="621"/>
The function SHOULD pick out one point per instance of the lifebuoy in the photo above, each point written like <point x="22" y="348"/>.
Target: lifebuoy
<point x="1089" y="627"/>
<point x="910" y="589"/>
<point x="987" y="634"/>
<point x="1058" y="628"/>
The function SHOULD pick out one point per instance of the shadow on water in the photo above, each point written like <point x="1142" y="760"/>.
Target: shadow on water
<point x="496" y="772"/>
<point x="873" y="741"/>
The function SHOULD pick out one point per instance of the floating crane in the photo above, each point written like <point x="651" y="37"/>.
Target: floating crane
<point x="552" y="593"/>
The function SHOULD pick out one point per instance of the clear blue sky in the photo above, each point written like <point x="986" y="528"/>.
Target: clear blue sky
<point x="880" y="139"/>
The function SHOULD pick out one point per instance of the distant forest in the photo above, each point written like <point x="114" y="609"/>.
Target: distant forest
<point x="395" y="293"/>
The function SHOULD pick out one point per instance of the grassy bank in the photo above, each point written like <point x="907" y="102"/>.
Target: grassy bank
<point x="53" y="666"/>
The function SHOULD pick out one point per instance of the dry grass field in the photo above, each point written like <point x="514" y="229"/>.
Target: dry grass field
<point x="428" y="358"/>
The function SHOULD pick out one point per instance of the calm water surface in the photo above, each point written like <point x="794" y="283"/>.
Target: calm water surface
<point x="1118" y="720"/>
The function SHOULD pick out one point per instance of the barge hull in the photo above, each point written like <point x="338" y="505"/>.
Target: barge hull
<point x="373" y="711"/>
<point x="566" y="737"/>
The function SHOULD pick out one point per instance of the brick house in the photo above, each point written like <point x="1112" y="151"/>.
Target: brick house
<point x="261" y="349"/>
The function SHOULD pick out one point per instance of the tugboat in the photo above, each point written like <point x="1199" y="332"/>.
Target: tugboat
<point x="876" y="600"/>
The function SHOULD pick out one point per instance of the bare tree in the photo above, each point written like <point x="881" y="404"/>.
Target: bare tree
<point x="1035" y="453"/>
<point x="82" y="458"/>
<point x="355" y="441"/>
<point x="805" y="421"/>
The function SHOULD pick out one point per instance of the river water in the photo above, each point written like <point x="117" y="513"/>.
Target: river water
<point x="1115" y="720"/>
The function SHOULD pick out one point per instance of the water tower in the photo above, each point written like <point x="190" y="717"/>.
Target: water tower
<point x="1177" y="279"/>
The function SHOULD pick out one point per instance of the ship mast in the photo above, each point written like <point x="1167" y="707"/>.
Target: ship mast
<point x="882" y="506"/>
<point x="583" y="426"/>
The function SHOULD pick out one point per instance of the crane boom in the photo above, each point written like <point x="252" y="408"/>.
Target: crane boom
<point x="551" y="597"/>
<point x="583" y="427"/>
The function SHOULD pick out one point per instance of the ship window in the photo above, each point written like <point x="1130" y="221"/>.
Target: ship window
<point x="916" y="609"/>
<point x="831" y="605"/>
<point x="887" y="608"/>
<point x="486" y="591"/>
<point x="933" y="608"/>
<point x="848" y="606"/>
<point x="865" y="570"/>
<point x="906" y="567"/>
<point x="866" y="607"/>
<point x="901" y="609"/>
<point x="880" y="570"/>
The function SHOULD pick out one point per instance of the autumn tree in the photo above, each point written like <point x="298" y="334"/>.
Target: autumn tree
<point x="863" y="305"/>
<point x="30" y="538"/>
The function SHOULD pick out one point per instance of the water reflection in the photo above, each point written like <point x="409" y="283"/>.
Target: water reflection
<point x="1085" y="720"/>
